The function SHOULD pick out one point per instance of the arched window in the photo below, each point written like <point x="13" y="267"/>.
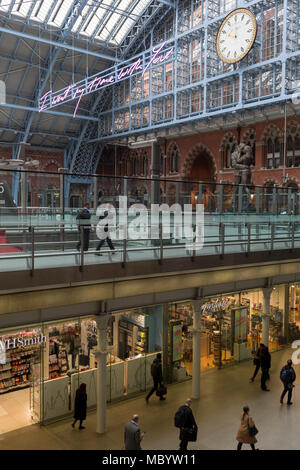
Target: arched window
<point x="228" y="147"/>
<point x="273" y="150"/>
<point x="293" y="147"/>
<point x="145" y="164"/>
<point x="173" y="159"/>
<point x="251" y="141"/>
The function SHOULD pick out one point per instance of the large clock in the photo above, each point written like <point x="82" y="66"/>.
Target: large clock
<point x="236" y="35"/>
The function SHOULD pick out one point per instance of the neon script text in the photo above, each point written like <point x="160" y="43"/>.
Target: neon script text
<point x="77" y="90"/>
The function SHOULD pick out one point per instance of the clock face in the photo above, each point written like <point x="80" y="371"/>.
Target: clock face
<point x="236" y="35"/>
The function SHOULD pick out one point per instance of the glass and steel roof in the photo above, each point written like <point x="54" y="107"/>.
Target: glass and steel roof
<point x="108" y="21"/>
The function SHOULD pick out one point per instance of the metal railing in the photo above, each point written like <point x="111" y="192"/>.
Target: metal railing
<point x="40" y="247"/>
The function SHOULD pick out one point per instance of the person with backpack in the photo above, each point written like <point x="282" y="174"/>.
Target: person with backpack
<point x="184" y="419"/>
<point x="288" y="377"/>
<point x="156" y="372"/>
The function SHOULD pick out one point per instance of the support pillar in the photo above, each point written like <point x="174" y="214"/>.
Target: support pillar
<point x="165" y="326"/>
<point x="100" y="353"/>
<point x="155" y="173"/>
<point x="197" y="304"/>
<point x="266" y="315"/>
<point x="286" y="310"/>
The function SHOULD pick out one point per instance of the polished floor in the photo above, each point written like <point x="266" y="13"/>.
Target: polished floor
<point x="14" y="410"/>
<point x="217" y="412"/>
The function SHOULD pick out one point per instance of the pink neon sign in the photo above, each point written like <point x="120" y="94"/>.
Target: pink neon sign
<point x="77" y="90"/>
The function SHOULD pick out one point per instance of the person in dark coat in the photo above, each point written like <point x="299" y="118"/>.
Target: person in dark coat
<point x="265" y="363"/>
<point x="103" y="237"/>
<point x="189" y="423"/>
<point x="80" y="406"/>
<point x="288" y="377"/>
<point x="84" y="217"/>
<point x="256" y="362"/>
<point x="156" y="372"/>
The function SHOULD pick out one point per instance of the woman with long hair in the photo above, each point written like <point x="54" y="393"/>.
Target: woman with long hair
<point x="243" y="436"/>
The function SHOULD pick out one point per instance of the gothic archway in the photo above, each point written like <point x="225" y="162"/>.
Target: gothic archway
<point x="200" y="166"/>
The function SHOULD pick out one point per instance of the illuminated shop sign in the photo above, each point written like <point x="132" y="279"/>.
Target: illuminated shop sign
<point x="21" y="342"/>
<point x="76" y="91"/>
<point x="219" y="304"/>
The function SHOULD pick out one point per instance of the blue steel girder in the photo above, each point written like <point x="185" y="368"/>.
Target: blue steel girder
<point x="75" y="10"/>
<point x="119" y="23"/>
<point x="101" y="23"/>
<point x="54" y="82"/>
<point x="269" y="87"/>
<point x="77" y="152"/>
<point x="57" y="44"/>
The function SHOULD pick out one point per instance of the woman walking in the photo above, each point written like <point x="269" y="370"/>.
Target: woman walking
<point x="80" y="406"/>
<point x="243" y="435"/>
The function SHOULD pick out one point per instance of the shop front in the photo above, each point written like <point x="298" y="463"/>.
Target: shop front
<point x="231" y="327"/>
<point x="41" y="366"/>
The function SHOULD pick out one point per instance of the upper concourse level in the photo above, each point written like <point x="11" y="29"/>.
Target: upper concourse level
<point x="208" y="236"/>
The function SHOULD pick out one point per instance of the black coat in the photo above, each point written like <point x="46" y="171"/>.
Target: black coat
<point x="80" y="405"/>
<point x="189" y="421"/>
<point x="265" y="359"/>
<point x="84" y="214"/>
<point x="157" y="375"/>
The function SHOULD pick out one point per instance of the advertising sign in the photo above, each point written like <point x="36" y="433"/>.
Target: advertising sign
<point x="240" y="324"/>
<point x="177" y="343"/>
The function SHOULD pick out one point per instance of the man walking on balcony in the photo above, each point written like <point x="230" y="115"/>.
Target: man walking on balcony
<point x="84" y="217"/>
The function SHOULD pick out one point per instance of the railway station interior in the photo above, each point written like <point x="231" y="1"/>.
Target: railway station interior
<point x="177" y="123"/>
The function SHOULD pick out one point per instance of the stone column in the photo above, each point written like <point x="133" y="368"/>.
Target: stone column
<point x="165" y="345"/>
<point x="100" y="354"/>
<point x="266" y="315"/>
<point x="155" y="173"/>
<point x="286" y="310"/>
<point x="197" y="304"/>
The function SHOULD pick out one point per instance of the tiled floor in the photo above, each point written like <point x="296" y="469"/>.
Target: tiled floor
<point x="223" y="394"/>
<point x="14" y="410"/>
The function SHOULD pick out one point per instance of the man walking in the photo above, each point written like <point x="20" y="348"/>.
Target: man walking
<point x="103" y="234"/>
<point x="184" y="419"/>
<point x="156" y="372"/>
<point x="265" y="363"/>
<point x="288" y="377"/>
<point x="256" y="362"/>
<point x="133" y="435"/>
<point x="84" y="217"/>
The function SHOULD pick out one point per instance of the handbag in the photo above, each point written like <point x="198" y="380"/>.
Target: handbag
<point x="162" y="390"/>
<point x="252" y="430"/>
<point x="190" y="434"/>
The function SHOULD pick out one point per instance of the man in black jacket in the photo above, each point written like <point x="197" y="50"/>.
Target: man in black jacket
<point x="84" y="217"/>
<point x="188" y="424"/>
<point x="265" y="363"/>
<point x="156" y="372"/>
<point x="288" y="377"/>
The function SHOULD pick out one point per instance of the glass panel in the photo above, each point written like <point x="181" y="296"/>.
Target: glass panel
<point x="20" y="375"/>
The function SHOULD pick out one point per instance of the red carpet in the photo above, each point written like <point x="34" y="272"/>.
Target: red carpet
<point x="3" y="241"/>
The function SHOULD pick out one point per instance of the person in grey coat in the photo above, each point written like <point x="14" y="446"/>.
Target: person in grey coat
<point x="133" y="435"/>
